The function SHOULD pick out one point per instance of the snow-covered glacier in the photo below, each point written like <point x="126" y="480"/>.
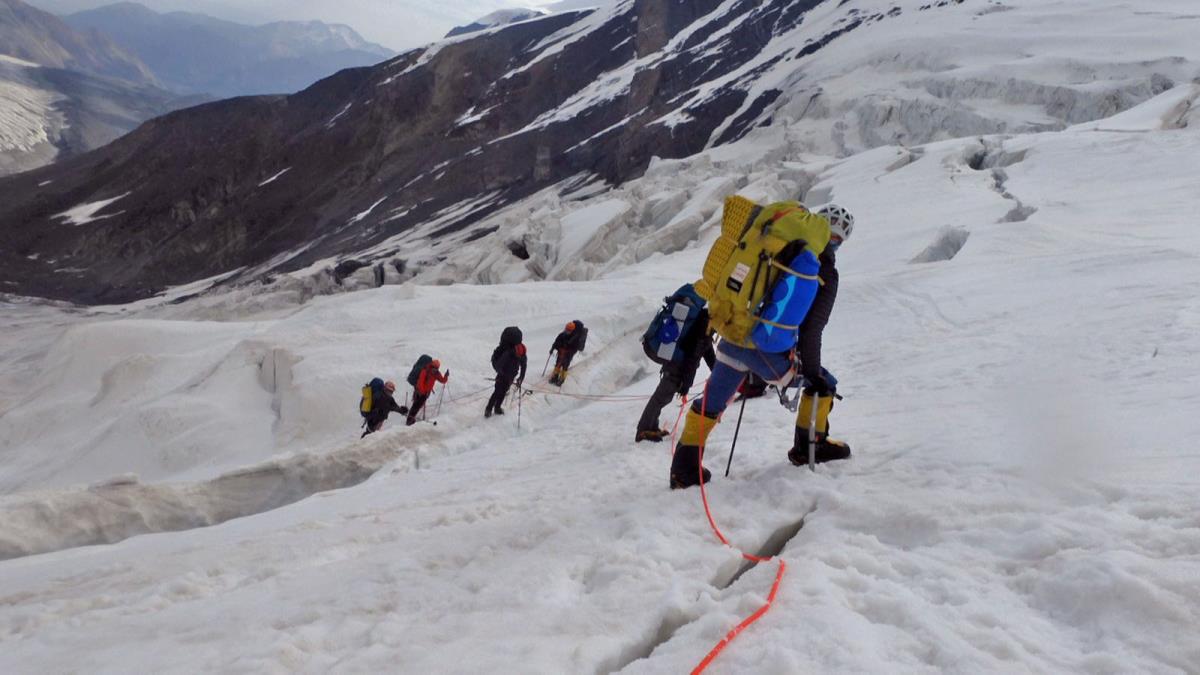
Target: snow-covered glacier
<point x="183" y="487"/>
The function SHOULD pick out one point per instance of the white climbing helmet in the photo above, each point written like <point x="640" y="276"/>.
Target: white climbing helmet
<point x="841" y="222"/>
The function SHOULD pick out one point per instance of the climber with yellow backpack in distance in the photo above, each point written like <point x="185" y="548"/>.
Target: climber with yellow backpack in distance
<point x="770" y="280"/>
<point x="377" y="402"/>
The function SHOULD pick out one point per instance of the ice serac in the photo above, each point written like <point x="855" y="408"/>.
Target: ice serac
<point x="384" y="164"/>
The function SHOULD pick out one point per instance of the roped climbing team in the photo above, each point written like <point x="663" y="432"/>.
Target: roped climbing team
<point x="747" y="358"/>
<point x="509" y="360"/>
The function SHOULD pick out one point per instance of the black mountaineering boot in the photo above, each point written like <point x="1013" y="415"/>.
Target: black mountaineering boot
<point x="652" y="435"/>
<point x="686" y="469"/>
<point x="828" y="449"/>
<point x="686" y="466"/>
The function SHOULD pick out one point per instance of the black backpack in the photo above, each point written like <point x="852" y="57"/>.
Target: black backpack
<point x="579" y="336"/>
<point x="417" y="368"/>
<point x="509" y="339"/>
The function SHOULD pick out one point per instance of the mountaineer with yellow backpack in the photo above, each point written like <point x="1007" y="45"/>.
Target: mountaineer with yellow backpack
<point x="377" y="403"/>
<point x="770" y="280"/>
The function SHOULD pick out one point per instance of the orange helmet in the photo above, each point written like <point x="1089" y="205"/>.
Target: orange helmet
<point x="570" y="326"/>
<point x="435" y="363"/>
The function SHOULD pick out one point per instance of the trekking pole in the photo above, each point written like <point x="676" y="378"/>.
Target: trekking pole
<point x="441" y="395"/>
<point x="547" y="363"/>
<point x="735" y="435"/>
<point x="520" y="395"/>
<point x="812" y="434"/>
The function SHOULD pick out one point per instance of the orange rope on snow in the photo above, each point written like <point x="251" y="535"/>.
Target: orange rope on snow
<point x="733" y="633"/>
<point x="736" y="630"/>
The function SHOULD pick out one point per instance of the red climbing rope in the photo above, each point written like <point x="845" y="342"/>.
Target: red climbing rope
<point x="733" y="633"/>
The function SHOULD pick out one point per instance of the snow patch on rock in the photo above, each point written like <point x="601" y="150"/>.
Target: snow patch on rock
<point x="88" y="213"/>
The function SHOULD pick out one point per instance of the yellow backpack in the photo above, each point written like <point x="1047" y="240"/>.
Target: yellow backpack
<point x="370" y="392"/>
<point x="761" y="273"/>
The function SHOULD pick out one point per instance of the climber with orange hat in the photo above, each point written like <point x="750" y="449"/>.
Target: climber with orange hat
<point x="426" y="378"/>
<point x="573" y="339"/>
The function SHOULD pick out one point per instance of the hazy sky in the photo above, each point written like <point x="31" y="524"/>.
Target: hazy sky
<point x="399" y="24"/>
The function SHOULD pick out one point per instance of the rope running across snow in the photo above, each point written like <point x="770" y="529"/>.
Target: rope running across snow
<point x="758" y="614"/>
<point x="736" y="630"/>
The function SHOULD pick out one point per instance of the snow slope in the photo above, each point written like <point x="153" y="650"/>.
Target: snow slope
<point x="1023" y="494"/>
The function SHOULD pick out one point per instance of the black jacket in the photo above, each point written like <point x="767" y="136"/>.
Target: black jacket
<point x="696" y="345"/>
<point x="384" y="405"/>
<point x="508" y="364"/>
<point x="570" y="341"/>
<point x="808" y="343"/>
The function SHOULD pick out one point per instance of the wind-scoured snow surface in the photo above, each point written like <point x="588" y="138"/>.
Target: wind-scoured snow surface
<point x="1023" y="496"/>
<point x="182" y="487"/>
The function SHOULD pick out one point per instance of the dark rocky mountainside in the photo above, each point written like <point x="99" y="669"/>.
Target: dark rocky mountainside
<point x="442" y="135"/>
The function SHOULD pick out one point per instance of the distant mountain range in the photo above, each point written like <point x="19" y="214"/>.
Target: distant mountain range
<point x="71" y="85"/>
<point x="64" y="92"/>
<point x="198" y="54"/>
<point x="32" y="35"/>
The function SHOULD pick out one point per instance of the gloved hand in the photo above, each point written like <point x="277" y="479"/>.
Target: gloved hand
<point x="447" y="373"/>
